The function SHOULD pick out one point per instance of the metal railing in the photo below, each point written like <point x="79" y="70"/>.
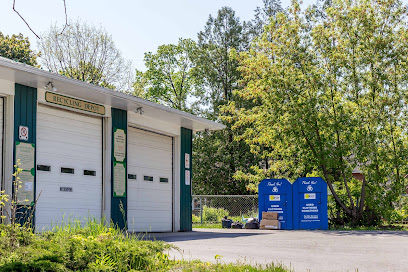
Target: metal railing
<point x="212" y="208"/>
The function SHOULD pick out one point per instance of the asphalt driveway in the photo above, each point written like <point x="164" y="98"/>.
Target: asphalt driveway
<point x="301" y="250"/>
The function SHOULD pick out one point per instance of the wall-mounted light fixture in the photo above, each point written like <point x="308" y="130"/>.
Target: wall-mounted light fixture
<point x="139" y="110"/>
<point x="50" y="87"/>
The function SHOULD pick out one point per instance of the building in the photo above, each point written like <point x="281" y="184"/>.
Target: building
<point x="90" y="152"/>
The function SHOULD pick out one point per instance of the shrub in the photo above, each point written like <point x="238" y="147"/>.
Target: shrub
<point x="214" y="214"/>
<point x="94" y="247"/>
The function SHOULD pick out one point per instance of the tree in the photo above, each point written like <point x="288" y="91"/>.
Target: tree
<point x="169" y="79"/>
<point x="331" y="93"/>
<point x="217" y="155"/>
<point x="86" y="53"/>
<point x="17" y="47"/>
<point x="263" y="15"/>
<point x="214" y="65"/>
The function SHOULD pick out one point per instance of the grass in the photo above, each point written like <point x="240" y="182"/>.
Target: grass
<point x="96" y="247"/>
<point x="386" y="227"/>
<point x="207" y="225"/>
<point x="237" y="267"/>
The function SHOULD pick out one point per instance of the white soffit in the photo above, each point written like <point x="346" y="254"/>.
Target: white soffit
<point x="37" y="78"/>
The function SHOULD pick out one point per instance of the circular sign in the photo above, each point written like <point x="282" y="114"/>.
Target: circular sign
<point x="23" y="133"/>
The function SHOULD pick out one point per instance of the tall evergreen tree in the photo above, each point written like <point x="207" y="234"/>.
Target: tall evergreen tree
<point x="217" y="155"/>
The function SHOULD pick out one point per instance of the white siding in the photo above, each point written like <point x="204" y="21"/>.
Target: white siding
<point x="149" y="202"/>
<point x="71" y="140"/>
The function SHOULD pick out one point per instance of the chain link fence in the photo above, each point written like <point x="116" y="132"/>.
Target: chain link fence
<point x="212" y="208"/>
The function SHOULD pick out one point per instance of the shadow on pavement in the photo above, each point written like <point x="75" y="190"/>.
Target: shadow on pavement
<point x="196" y="235"/>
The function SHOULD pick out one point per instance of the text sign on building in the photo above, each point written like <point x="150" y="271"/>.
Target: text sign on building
<point x="23" y="133"/>
<point x="187" y="160"/>
<point x="119" y="142"/>
<point x="24" y="158"/>
<point x="275" y="195"/>
<point x="74" y="103"/>
<point x="119" y="164"/>
<point x="310" y="203"/>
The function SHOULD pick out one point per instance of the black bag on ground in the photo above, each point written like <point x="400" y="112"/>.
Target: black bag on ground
<point x="237" y="225"/>
<point x="226" y="223"/>
<point x="252" y="223"/>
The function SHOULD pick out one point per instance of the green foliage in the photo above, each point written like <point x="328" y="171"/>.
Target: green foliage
<point x="329" y="96"/>
<point x="169" y="79"/>
<point x="86" y="53"/>
<point x="87" y="72"/>
<point x="234" y="267"/>
<point x="211" y="214"/>
<point x="94" y="247"/>
<point x="214" y="65"/>
<point x="17" y="47"/>
<point x="218" y="156"/>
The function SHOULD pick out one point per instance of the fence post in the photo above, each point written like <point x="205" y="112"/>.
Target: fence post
<point x="201" y="210"/>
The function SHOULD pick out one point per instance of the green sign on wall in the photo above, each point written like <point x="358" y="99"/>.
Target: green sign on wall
<point x="119" y="166"/>
<point x="24" y="159"/>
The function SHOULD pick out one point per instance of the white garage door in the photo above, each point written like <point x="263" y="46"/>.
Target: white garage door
<point x="69" y="167"/>
<point x="150" y="163"/>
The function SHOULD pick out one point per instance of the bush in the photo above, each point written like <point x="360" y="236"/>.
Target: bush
<point x="94" y="247"/>
<point x="212" y="214"/>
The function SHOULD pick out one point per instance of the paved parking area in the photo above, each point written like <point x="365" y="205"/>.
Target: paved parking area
<point x="314" y="251"/>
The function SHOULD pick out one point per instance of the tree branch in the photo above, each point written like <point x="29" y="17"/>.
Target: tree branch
<point x="66" y="17"/>
<point x="14" y="4"/>
<point x="22" y="18"/>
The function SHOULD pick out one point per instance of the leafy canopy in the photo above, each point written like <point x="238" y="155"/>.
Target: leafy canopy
<point x="169" y="79"/>
<point x="86" y="53"/>
<point x="330" y="99"/>
<point x="17" y="47"/>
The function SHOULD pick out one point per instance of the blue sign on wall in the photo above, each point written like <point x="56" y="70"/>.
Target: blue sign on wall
<point x="310" y="204"/>
<point x="275" y="195"/>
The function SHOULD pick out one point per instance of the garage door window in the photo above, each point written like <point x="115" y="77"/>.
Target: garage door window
<point x="148" y="178"/>
<point x="67" y="170"/>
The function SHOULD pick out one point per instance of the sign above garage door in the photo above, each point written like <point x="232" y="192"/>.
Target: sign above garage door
<point x="74" y="103"/>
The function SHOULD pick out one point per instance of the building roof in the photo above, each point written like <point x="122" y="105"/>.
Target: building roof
<point x="37" y="78"/>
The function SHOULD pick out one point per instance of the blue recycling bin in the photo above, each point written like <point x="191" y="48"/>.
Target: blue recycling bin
<point x="310" y="204"/>
<point x="275" y="195"/>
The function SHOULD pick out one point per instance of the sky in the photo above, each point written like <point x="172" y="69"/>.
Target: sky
<point x="136" y="26"/>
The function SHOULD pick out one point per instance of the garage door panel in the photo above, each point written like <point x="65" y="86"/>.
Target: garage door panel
<point x="66" y="217"/>
<point x="144" y="158"/>
<point x="149" y="221"/>
<point x="78" y="190"/>
<point x="147" y="186"/>
<point x="161" y="197"/>
<point x="70" y="140"/>
<point x="146" y="138"/>
<point x="80" y="155"/>
<point x="66" y="204"/>
<point x="78" y="120"/>
<point x="88" y="130"/>
<point x="147" y="171"/>
<point x="158" y="206"/>
<point x="149" y="202"/>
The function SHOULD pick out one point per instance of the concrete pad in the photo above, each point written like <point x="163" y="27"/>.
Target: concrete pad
<point x="362" y="251"/>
